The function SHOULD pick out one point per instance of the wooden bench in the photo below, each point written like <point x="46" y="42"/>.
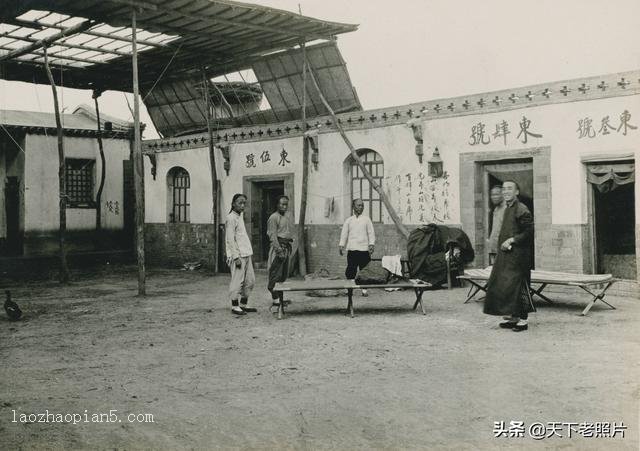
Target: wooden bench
<point x="594" y="284"/>
<point x="348" y="285"/>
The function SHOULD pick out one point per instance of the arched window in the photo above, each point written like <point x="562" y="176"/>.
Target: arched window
<point x="360" y="186"/>
<point x="178" y="195"/>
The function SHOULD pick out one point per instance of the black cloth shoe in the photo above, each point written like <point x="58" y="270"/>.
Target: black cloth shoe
<point x="520" y="328"/>
<point x="507" y="324"/>
<point x="248" y="309"/>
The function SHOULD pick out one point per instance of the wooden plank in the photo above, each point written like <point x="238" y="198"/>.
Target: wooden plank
<point x="341" y="284"/>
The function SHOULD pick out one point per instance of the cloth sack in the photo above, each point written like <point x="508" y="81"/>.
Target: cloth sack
<point x="372" y="274"/>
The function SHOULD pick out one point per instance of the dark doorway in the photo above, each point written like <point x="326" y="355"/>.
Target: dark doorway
<point x="615" y="241"/>
<point x="262" y="192"/>
<point x="12" y="210"/>
<point x="269" y="193"/>
<point x="521" y="172"/>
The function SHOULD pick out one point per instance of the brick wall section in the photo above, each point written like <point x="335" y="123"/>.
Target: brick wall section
<point x="171" y="245"/>
<point x="323" y="246"/>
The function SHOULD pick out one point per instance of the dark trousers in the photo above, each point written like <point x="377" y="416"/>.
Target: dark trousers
<point x="278" y="266"/>
<point x="526" y="303"/>
<point x="355" y="260"/>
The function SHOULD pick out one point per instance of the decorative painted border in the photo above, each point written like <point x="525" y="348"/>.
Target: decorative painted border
<point x="591" y="88"/>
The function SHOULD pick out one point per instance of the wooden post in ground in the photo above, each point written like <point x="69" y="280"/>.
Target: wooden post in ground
<point x="302" y="234"/>
<point x="138" y="166"/>
<point x="103" y="170"/>
<point x="383" y="196"/>
<point x="62" y="175"/>
<point x="214" y="175"/>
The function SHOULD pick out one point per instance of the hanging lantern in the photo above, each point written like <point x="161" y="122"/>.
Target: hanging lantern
<point x="436" y="168"/>
<point x="227" y="158"/>
<point x="419" y="151"/>
<point x="415" y="125"/>
<point x="312" y="140"/>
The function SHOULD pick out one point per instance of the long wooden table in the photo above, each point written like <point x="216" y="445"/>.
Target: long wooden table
<point x="349" y="285"/>
<point x="594" y="284"/>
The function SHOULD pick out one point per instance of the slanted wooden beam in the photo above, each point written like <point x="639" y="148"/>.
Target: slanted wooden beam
<point x="383" y="196"/>
<point x="75" y="29"/>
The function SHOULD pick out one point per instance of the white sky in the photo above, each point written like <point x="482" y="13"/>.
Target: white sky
<point x="413" y="50"/>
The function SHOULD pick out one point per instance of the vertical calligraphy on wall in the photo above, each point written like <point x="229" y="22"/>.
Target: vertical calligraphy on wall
<point x="419" y="198"/>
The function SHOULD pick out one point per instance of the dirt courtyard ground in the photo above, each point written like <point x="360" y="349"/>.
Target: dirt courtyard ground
<point x="387" y="379"/>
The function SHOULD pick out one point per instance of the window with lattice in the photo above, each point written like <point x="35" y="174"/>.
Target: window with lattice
<point x="80" y="181"/>
<point x="179" y="186"/>
<point x="360" y="186"/>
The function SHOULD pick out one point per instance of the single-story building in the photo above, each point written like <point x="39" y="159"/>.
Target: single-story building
<point x="29" y="189"/>
<point x="571" y="146"/>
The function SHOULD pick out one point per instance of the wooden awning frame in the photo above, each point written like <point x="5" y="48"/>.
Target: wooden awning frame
<point x="220" y="36"/>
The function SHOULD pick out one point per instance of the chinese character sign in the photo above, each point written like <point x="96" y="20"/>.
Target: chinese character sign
<point x="419" y="198"/>
<point x="260" y="158"/>
<point x="480" y="136"/>
<point x="624" y="126"/>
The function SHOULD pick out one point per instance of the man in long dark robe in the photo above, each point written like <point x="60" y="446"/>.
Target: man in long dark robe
<point x="508" y="287"/>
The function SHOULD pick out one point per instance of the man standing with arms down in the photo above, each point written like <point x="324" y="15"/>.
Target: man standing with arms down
<point x="359" y="239"/>
<point x="239" y="252"/>
<point x="508" y="287"/>
<point x="280" y="233"/>
<point x="495" y="221"/>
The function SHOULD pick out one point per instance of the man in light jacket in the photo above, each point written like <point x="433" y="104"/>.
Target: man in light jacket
<point x="359" y="239"/>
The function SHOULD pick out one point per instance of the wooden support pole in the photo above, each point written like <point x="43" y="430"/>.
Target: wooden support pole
<point x="138" y="165"/>
<point x="302" y="234"/>
<point x="103" y="169"/>
<point x="214" y="175"/>
<point x="383" y="196"/>
<point x="62" y="175"/>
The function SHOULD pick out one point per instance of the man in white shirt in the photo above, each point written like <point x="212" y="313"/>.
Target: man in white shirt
<point x="239" y="252"/>
<point x="359" y="239"/>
